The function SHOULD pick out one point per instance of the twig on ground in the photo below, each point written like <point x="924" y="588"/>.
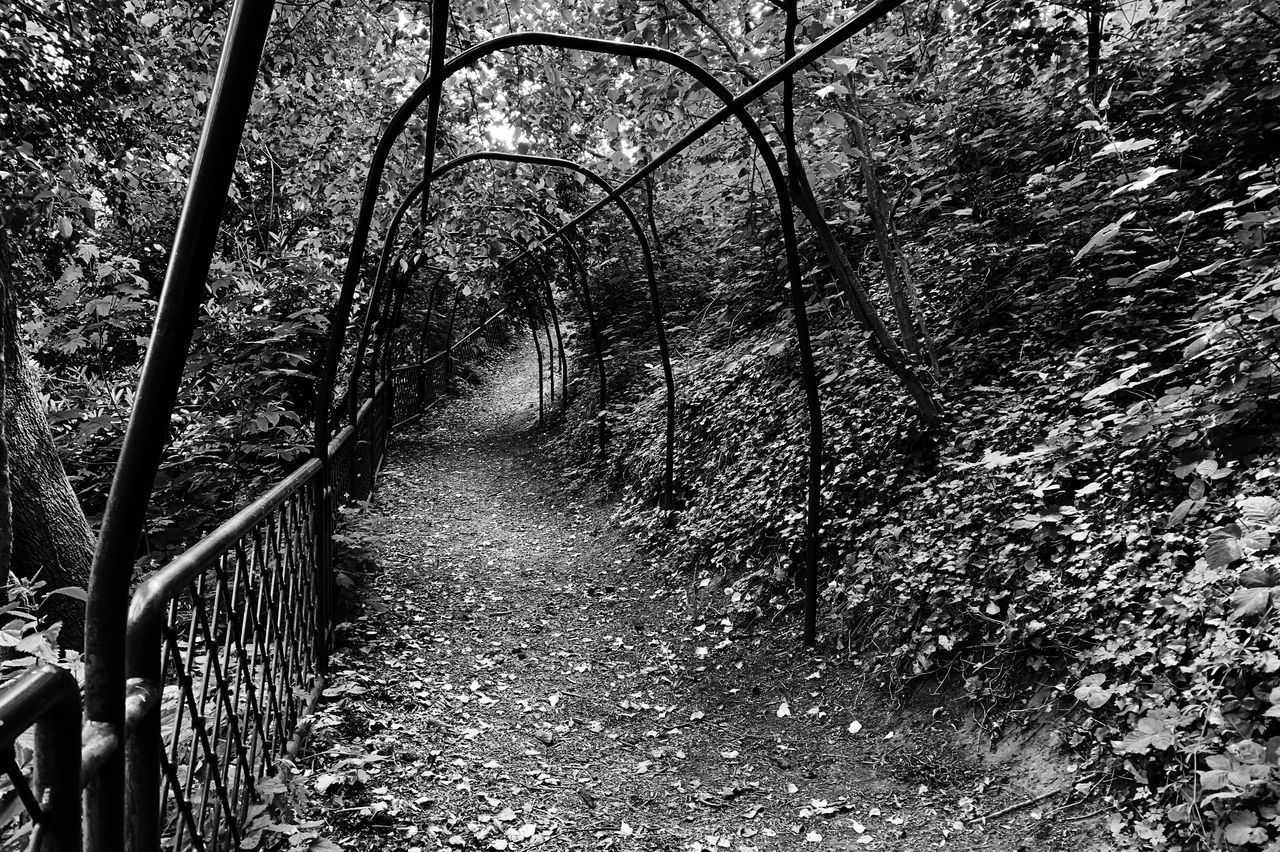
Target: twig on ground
<point x="1025" y="803"/>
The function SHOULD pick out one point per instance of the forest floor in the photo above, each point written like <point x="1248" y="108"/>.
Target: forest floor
<point x="517" y="673"/>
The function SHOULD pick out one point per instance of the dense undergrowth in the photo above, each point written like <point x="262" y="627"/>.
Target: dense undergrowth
<point x="1091" y="535"/>
<point x="1091" y="529"/>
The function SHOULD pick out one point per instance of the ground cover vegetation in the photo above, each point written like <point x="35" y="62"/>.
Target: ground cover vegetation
<point x="1087" y="534"/>
<point x="1040" y="275"/>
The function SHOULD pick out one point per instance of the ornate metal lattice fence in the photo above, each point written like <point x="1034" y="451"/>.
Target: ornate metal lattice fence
<point x="226" y="650"/>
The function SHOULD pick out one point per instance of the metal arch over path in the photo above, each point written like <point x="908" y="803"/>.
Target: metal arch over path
<point x="578" y="267"/>
<point x="382" y="318"/>
<point x="554" y="351"/>
<point x="575" y="264"/>
<point x="655" y="298"/>
<point x="430" y="89"/>
<point x="593" y="323"/>
<point x="534" y="308"/>
<point x="597" y="337"/>
<point x="123" y="717"/>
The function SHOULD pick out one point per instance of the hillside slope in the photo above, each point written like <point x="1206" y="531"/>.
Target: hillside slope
<point x="1089" y="539"/>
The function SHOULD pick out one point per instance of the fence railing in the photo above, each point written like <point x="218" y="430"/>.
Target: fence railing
<point x="414" y="383"/>
<point x="45" y="700"/>
<point x="227" y="649"/>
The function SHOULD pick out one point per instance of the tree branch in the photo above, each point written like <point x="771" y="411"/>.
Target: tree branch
<point x="723" y="39"/>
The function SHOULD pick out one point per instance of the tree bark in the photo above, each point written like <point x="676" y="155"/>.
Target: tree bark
<point x="6" y="503"/>
<point x="1093" y="23"/>
<point x="897" y="274"/>
<point x="51" y="539"/>
<point x="879" y="224"/>
<point x="883" y="347"/>
<point x="653" y="223"/>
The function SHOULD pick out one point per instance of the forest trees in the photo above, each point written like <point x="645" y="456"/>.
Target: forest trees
<point x="57" y="77"/>
<point x="44" y="536"/>
<point x="98" y="125"/>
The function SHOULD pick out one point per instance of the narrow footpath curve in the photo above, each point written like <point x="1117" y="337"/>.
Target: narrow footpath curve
<point x="521" y="675"/>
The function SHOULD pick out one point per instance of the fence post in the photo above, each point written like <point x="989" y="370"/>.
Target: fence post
<point x="144" y="741"/>
<point x="46" y="698"/>
<point x="147" y="435"/>
<point x="58" y="764"/>
<point x="322" y="522"/>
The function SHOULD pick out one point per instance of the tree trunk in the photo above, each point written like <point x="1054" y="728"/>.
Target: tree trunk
<point x="897" y="274"/>
<point x="1093" y="23"/>
<point x="51" y="539"/>
<point x="653" y="223"/>
<point x="6" y="504"/>
<point x="883" y="347"/>
<point x="879" y="223"/>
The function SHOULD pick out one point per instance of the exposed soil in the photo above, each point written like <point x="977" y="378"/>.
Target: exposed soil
<point x="521" y="675"/>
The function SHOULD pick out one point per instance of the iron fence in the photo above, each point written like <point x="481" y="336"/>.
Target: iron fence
<point x="222" y="639"/>
<point x="46" y="701"/>
<point x="415" y="384"/>
<point x="225" y="656"/>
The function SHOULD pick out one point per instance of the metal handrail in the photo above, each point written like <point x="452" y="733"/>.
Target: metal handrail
<point x="400" y="368"/>
<point x="156" y="589"/>
<point x="46" y="698"/>
<point x="202" y="618"/>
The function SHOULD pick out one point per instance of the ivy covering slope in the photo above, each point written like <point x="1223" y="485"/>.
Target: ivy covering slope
<point x="1093" y="530"/>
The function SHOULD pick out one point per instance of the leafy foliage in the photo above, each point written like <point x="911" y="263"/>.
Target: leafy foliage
<point x="1092" y="225"/>
<point x="1094" y="528"/>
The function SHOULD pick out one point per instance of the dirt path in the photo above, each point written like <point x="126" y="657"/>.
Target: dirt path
<point x="522" y="676"/>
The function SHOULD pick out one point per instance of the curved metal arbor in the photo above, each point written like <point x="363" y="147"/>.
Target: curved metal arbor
<point x="382" y="316"/>
<point x="655" y="298"/>
<point x="732" y="106"/>
<point x="106" y="700"/>
<point x="575" y="263"/>
<point x="579" y="268"/>
<point x="597" y="337"/>
<point x="555" y="351"/>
